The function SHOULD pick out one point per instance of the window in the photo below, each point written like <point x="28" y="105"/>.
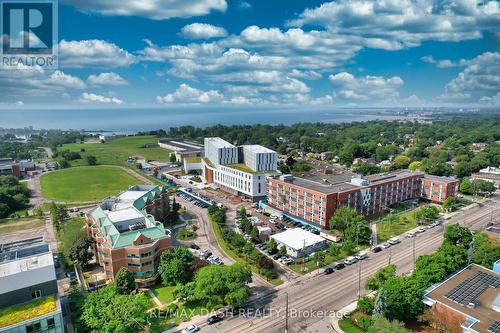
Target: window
<point x="51" y="323"/>
<point x="33" y="328"/>
<point x="36" y="294"/>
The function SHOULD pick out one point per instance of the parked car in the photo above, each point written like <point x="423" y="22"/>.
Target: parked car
<point x="339" y="265"/>
<point x="194" y="246"/>
<point x="394" y="241"/>
<point x="206" y="253"/>
<point x="350" y="260"/>
<point x="288" y="261"/>
<point x="421" y="229"/>
<point x="385" y="245"/>
<point x="328" y="270"/>
<point x="276" y="256"/>
<point x="361" y="256"/>
<point x="410" y="234"/>
<point x="215" y="319"/>
<point x="191" y="329"/>
<point x="377" y="249"/>
<point x="71" y="275"/>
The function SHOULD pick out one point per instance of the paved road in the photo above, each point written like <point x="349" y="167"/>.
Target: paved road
<point x="308" y="295"/>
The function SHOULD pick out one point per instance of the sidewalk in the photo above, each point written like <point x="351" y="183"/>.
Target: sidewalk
<point x="347" y="309"/>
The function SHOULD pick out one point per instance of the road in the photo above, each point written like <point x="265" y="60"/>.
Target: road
<point x="312" y="295"/>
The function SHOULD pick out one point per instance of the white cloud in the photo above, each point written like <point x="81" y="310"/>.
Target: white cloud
<point x="108" y="78"/>
<point x="202" y="31"/>
<point x="185" y="94"/>
<point x="93" y="53"/>
<point x="446" y="63"/>
<point x="19" y="103"/>
<point x="152" y="9"/>
<point x="244" y="5"/>
<point x="367" y="88"/>
<point x="481" y="78"/>
<point x="90" y="98"/>
<point x="391" y="24"/>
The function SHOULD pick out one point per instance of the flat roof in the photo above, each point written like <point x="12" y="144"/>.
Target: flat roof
<point x="182" y="145"/>
<point x="297" y="238"/>
<point x="22" y="249"/>
<point x="258" y="149"/>
<point x="26" y="264"/>
<point x="470" y="285"/>
<point x="321" y="187"/>
<point x="22" y="312"/>
<point x="442" y="179"/>
<point x="220" y="143"/>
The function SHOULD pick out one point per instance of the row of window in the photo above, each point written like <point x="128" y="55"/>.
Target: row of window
<point x="144" y="255"/>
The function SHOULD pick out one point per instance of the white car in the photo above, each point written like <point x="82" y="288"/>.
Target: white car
<point x="350" y="260"/>
<point x="191" y="329"/>
<point x="421" y="229"/>
<point x="361" y="256"/>
<point x="272" y="221"/>
<point x="385" y="245"/>
<point x="410" y="235"/>
<point x="394" y="241"/>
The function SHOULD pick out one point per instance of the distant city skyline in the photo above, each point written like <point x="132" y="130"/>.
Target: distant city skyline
<point x="306" y="54"/>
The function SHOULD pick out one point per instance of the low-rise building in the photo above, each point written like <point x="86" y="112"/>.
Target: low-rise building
<point x="468" y="301"/>
<point x="489" y="174"/>
<point x="28" y="288"/>
<point x="299" y="243"/>
<point x="239" y="170"/>
<point x="9" y="166"/>
<point x="127" y="233"/>
<point x="315" y="202"/>
<point x="182" y="149"/>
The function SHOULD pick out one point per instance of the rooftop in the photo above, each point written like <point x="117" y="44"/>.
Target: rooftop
<point x="26" y="311"/>
<point x="182" y="145"/>
<point x="297" y="238"/>
<point x="24" y="264"/>
<point x="193" y="159"/>
<point x="442" y="179"/>
<point x="220" y="143"/>
<point x="324" y="187"/>
<point x="258" y="149"/>
<point x="472" y="292"/>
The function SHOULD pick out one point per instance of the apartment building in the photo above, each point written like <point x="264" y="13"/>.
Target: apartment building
<point x="28" y="288"/>
<point x="127" y="233"/>
<point x="238" y="170"/>
<point x="315" y="202"/>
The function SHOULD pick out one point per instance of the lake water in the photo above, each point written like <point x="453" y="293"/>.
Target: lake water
<point x="133" y="120"/>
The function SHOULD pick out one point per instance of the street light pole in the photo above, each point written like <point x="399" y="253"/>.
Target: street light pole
<point x="286" y="313"/>
<point x="359" y="279"/>
<point x="414" y="261"/>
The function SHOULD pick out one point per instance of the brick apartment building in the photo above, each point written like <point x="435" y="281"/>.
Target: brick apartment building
<point x="468" y="301"/>
<point x="316" y="201"/>
<point x="127" y="233"/>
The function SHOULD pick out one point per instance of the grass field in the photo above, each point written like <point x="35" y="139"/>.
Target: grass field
<point x="348" y="327"/>
<point x="71" y="230"/>
<point x="117" y="151"/>
<point x="164" y="293"/>
<point x="395" y="225"/>
<point x="81" y="184"/>
<point x="8" y="226"/>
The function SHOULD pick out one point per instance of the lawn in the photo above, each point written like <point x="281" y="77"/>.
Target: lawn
<point x="22" y="312"/>
<point x="71" y="230"/>
<point x="116" y="151"/>
<point x="185" y="235"/>
<point x="348" y="327"/>
<point x="395" y="225"/>
<point x="164" y="293"/>
<point x="9" y="226"/>
<point x="82" y="184"/>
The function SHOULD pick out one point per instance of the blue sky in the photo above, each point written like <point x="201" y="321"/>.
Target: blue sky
<point x="125" y="53"/>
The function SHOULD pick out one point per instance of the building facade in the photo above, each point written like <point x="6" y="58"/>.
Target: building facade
<point x="315" y="202"/>
<point x="489" y="174"/>
<point x="28" y="288"/>
<point x="238" y="170"/>
<point x="127" y="233"/>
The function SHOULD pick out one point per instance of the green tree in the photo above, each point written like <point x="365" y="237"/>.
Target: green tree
<point x="458" y="236"/>
<point x="173" y="159"/>
<point x="80" y="250"/>
<point x="125" y="281"/>
<point x="183" y="291"/>
<point x="359" y="232"/>
<point x="382" y="325"/>
<point x="366" y="304"/>
<point x="401" y="161"/>
<point x="91" y="160"/>
<point x="377" y="281"/>
<point x="282" y="250"/>
<point x="63" y="163"/>
<point x="4" y="210"/>
<point x="176" y="266"/>
<point x="107" y="311"/>
<point x="403" y="298"/>
<point x="272" y="245"/>
<point x="414" y="165"/>
<point x="486" y="251"/>
<point x="343" y="218"/>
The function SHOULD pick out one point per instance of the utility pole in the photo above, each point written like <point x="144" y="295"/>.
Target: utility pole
<point x="359" y="279"/>
<point x="390" y="254"/>
<point x="414" y="261"/>
<point x="286" y="313"/>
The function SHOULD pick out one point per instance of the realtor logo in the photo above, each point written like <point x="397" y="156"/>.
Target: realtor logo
<point x="29" y="33"/>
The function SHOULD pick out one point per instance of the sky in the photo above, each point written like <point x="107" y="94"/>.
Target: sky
<point x="356" y="53"/>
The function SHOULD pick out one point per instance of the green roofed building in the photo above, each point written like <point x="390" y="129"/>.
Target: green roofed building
<point x="127" y="232"/>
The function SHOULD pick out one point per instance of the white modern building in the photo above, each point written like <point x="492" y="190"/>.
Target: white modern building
<point x="28" y="288"/>
<point x="238" y="170"/>
<point x="299" y="243"/>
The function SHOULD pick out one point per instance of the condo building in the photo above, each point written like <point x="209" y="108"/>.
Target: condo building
<point x="127" y="233"/>
<point x="29" y="301"/>
<point x="239" y="170"/>
<point x="315" y="202"/>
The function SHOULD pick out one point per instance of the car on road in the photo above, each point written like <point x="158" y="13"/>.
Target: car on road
<point x="410" y="234"/>
<point x="385" y="245"/>
<point x="394" y="241"/>
<point x="206" y="253"/>
<point x="194" y="246"/>
<point x="74" y="209"/>
<point x="328" y="270"/>
<point x="191" y="329"/>
<point x="215" y="319"/>
<point x="350" y="260"/>
<point x="421" y="229"/>
<point x="377" y="249"/>
<point x="361" y="256"/>
<point x="276" y="256"/>
<point x="339" y="265"/>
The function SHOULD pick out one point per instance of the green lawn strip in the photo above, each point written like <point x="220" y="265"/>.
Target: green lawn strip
<point x="81" y="184"/>
<point x="70" y="231"/>
<point x="185" y="235"/>
<point x="164" y="293"/>
<point x="18" y="225"/>
<point x="388" y="228"/>
<point x="311" y="265"/>
<point x="348" y="327"/>
<point x="116" y="151"/>
<point x="223" y="245"/>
